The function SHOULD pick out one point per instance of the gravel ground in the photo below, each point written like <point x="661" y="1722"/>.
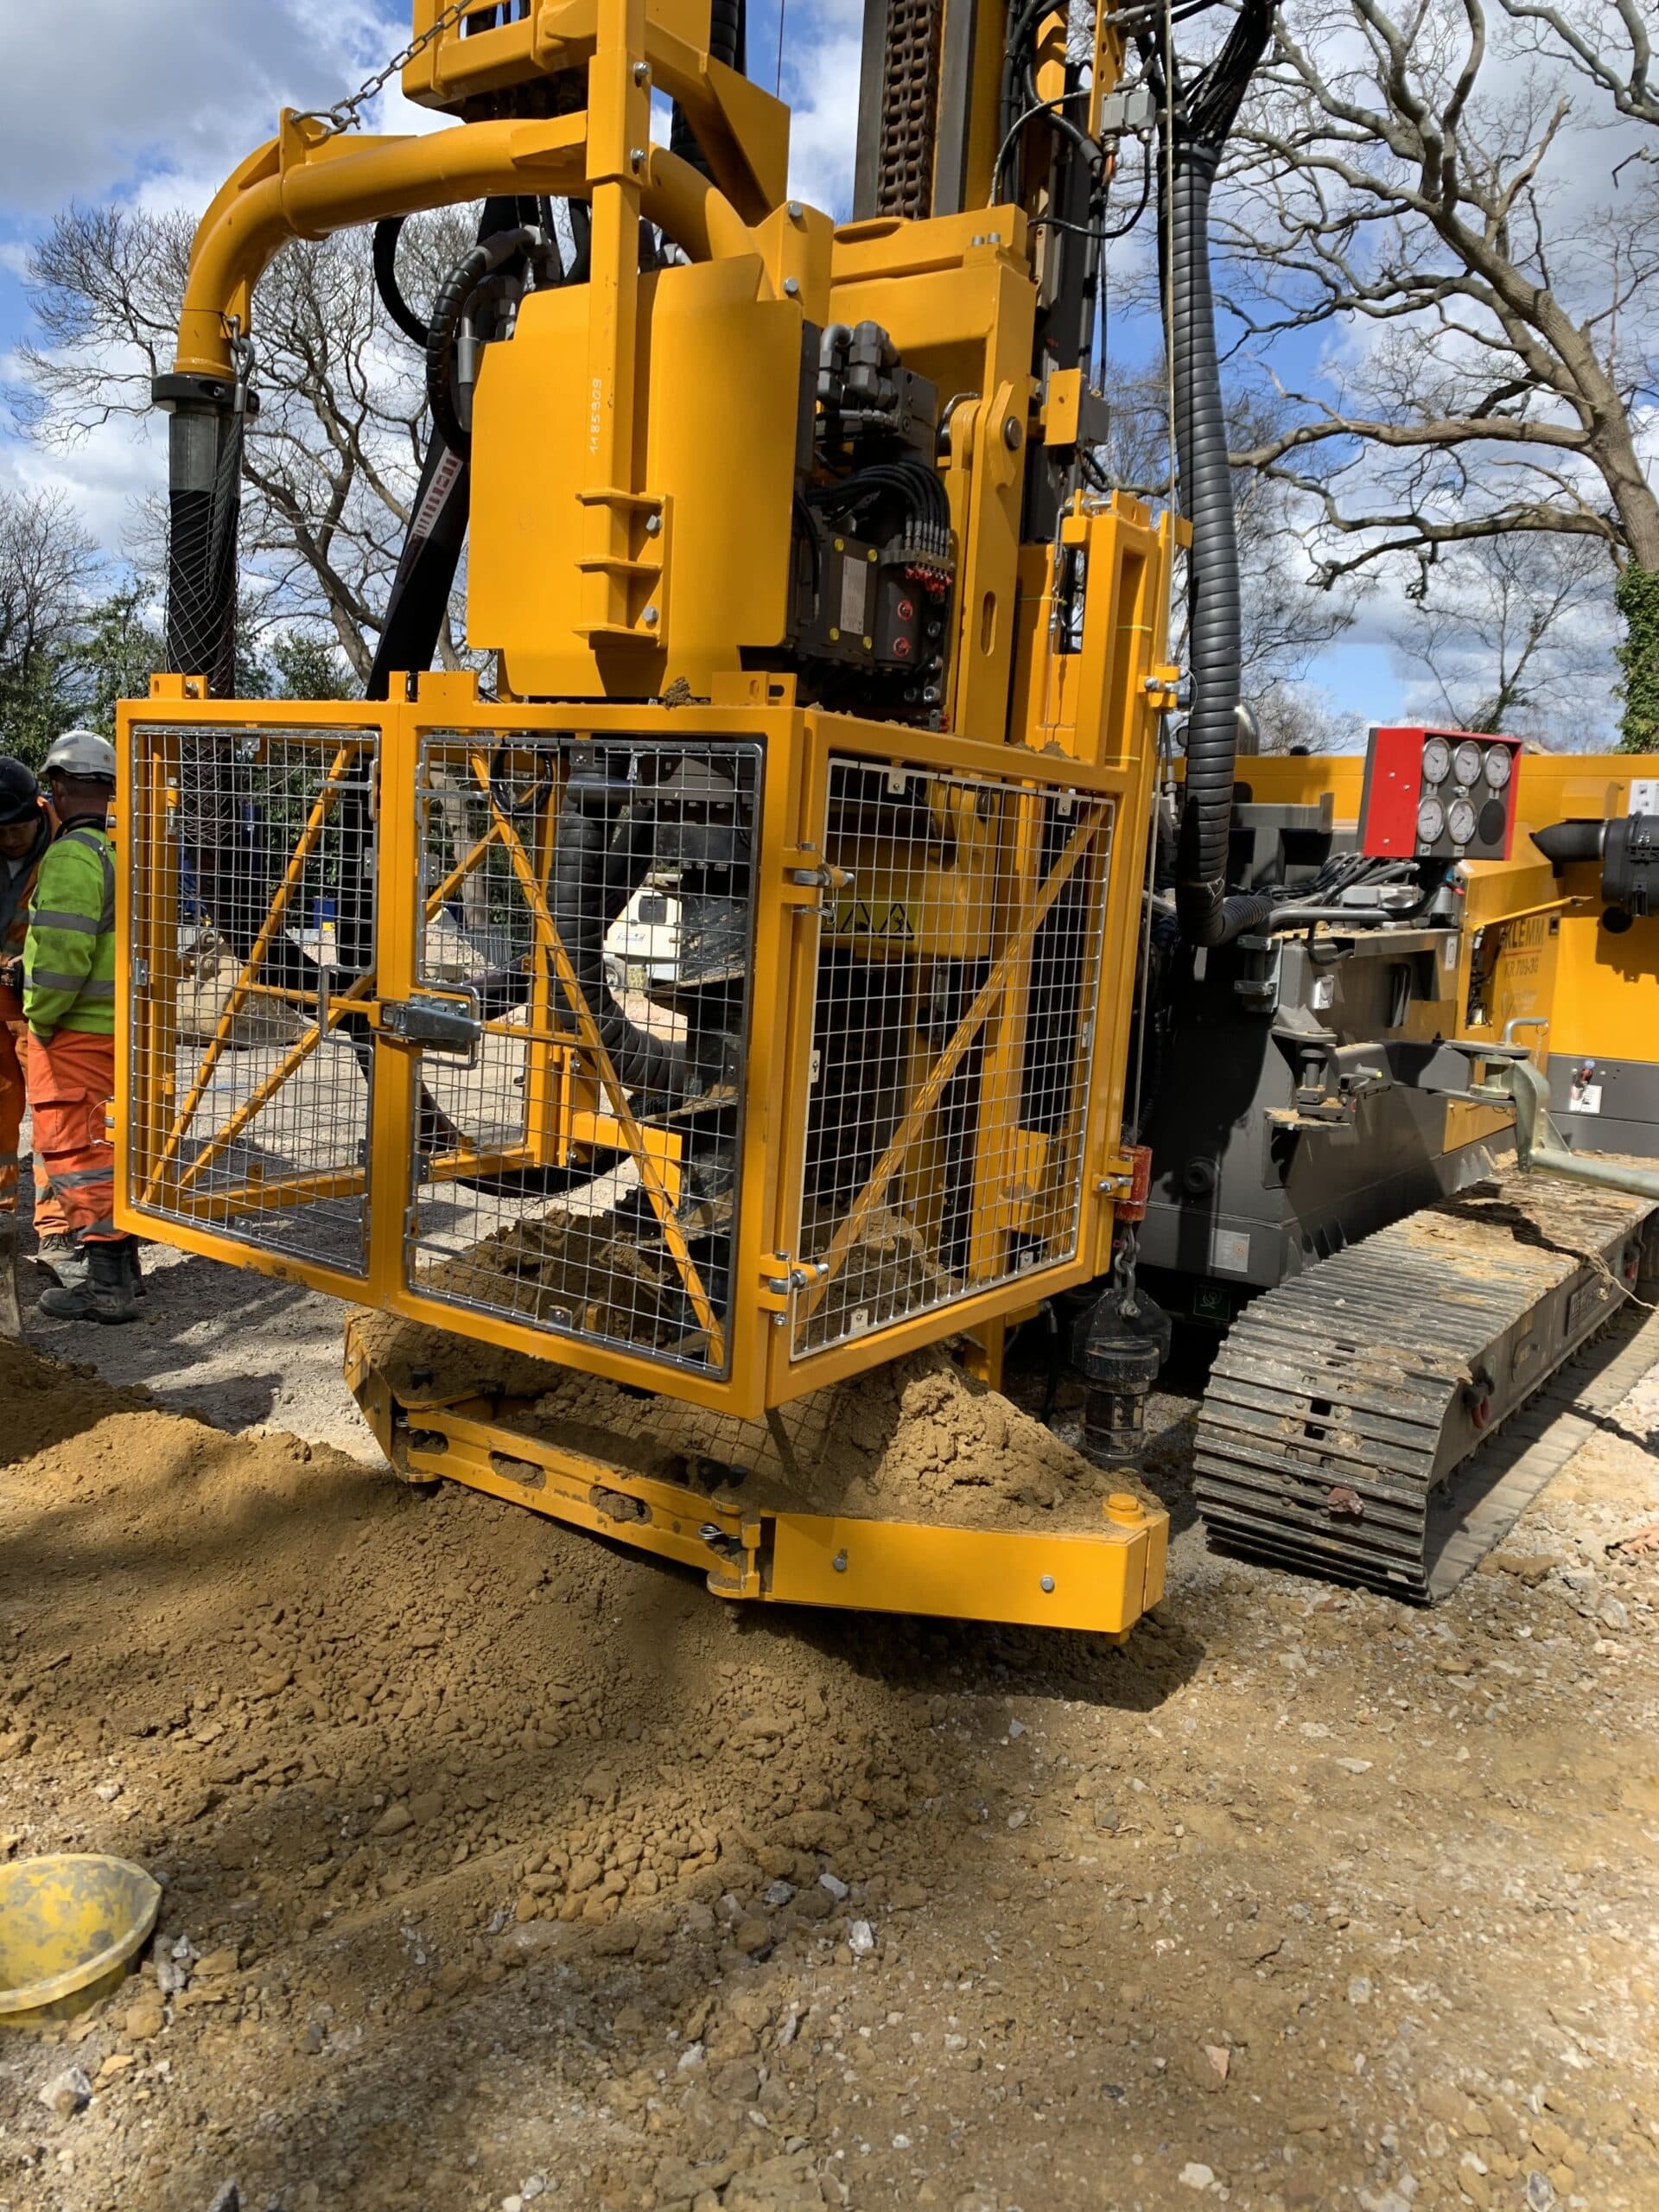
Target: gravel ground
<point x="505" y="1867"/>
<point x="237" y="1348"/>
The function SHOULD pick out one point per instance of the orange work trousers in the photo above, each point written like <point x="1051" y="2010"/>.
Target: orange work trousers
<point x="71" y="1082"/>
<point x="49" y="1216"/>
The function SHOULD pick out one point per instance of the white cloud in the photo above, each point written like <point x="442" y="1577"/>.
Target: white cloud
<point x="119" y="91"/>
<point x="820" y="71"/>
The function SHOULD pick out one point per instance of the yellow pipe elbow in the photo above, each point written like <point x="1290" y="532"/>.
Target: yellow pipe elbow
<point x="313" y="191"/>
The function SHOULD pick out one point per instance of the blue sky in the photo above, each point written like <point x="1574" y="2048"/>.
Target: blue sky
<point x="156" y="101"/>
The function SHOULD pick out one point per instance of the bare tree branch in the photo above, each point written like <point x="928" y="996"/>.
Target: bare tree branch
<point x="1413" y="180"/>
<point x="332" y="459"/>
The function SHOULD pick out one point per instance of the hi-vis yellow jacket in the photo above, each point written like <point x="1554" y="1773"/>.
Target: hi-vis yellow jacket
<point x="69" y="953"/>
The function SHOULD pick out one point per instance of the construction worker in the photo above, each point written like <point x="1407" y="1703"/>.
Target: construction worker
<point x="26" y="830"/>
<point x="69" y="1005"/>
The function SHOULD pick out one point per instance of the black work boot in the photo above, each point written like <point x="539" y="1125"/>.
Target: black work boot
<point x="105" y="1296"/>
<point x="62" y="1259"/>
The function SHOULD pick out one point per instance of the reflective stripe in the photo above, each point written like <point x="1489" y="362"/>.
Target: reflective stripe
<point x="83" y="1175"/>
<point x="82" y="925"/>
<point x="84" y="987"/>
<point x="98" y="841"/>
<point x="104" y="1232"/>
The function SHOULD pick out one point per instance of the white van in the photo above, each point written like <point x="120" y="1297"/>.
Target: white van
<point x="642" y="946"/>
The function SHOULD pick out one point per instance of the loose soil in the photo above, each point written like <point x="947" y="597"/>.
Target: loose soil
<point x="610" y="1277"/>
<point x="502" y="1865"/>
<point x="917" y="1440"/>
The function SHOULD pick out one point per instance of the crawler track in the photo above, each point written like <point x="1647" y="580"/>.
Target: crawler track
<point x="1341" y="1432"/>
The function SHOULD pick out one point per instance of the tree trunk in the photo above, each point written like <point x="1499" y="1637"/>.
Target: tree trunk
<point x="1637" y="596"/>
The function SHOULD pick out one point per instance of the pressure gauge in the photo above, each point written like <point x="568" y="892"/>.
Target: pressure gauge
<point x="1466" y="761"/>
<point x="1437" y="761"/>
<point x="1431" y="820"/>
<point x="1460" y="818"/>
<point x="1499" y="766"/>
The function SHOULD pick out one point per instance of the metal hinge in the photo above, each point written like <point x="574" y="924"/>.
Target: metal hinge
<point x="782" y="1276"/>
<point x="806" y="872"/>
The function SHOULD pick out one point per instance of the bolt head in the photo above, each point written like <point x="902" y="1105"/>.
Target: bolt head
<point x="642" y="72"/>
<point x="653" y="526"/>
<point x="1012" y="434"/>
<point x="1048" y="1585"/>
<point x="795" y="211"/>
<point x="839" y="1562"/>
<point x="791" y="289"/>
<point x="651" y="618"/>
<point x="637" y="156"/>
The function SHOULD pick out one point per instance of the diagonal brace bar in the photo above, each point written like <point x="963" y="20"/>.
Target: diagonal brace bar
<point x="616" y="1095"/>
<point x="1018" y="945"/>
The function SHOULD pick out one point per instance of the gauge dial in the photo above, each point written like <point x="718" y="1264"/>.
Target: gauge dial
<point x="1460" y="820"/>
<point x="1499" y="766"/>
<point x="1431" y="820"/>
<point x="1437" y="761"/>
<point x="1466" y="761"/>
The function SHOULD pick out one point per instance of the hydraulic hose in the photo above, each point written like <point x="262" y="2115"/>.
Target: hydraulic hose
<point x="596" y="869"/>
<point x="1201" y="117"/>
<point x="386" y="235"/>
<point x="426" y="572"/>
<point x="1208" y="915"/>
<point x="454" y="294"/>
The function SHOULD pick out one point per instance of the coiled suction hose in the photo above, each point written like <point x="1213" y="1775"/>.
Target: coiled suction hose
<point x="1201" y="118"/>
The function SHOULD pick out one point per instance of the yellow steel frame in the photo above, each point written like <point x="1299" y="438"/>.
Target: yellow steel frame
<point x="755" y="1353"/>
<point x="1038" y="711"/>
<point x="1101" y="1579"/>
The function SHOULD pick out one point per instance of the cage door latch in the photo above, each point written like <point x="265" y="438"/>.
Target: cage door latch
<point x="437" y="1025"/>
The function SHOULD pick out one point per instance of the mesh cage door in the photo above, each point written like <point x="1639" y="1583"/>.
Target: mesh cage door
<point x="576" y="1157"/>
<point x="954" y="1004"/>
<point x="251" y="917"/>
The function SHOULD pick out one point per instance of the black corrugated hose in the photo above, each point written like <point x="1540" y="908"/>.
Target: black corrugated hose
<point x="598" y="864"/>
<point x="1203" y="114"/>
<point x="728" y="41"/>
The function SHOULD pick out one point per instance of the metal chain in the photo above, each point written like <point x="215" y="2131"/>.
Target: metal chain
<point x="347" y="114"/>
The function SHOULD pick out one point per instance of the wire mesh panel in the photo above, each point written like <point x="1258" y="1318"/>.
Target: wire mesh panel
<point x="588" y="906"/>
<point x="251" y="892"/>
<point x="957" y="974"/>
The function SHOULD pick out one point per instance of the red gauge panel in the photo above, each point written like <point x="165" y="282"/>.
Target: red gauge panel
<point x="1438" y="794"/>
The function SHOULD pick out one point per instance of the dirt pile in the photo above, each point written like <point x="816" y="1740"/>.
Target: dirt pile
<point x="886" y="1273"/>
<point x="917" y="1440"/>
<point x="502" y="1867"/>
<point x="608" y="1275"/>
<point x="204" y="996"/>
<point x="592" y="1273"/>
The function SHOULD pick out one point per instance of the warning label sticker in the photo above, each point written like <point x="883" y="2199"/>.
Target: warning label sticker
<point x="855" y="596"/>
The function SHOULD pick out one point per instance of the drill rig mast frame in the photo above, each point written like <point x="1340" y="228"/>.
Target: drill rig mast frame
<point x="809" y="632"/>
<point x="750" y="542"/>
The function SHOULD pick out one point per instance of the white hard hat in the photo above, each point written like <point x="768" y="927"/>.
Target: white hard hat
<point x="81" y="753"/>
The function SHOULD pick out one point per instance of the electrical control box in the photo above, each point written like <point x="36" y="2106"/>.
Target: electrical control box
<point x="1438" y="794"/>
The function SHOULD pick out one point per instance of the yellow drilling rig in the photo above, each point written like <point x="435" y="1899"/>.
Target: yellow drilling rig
<point x="807" y="948"/>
